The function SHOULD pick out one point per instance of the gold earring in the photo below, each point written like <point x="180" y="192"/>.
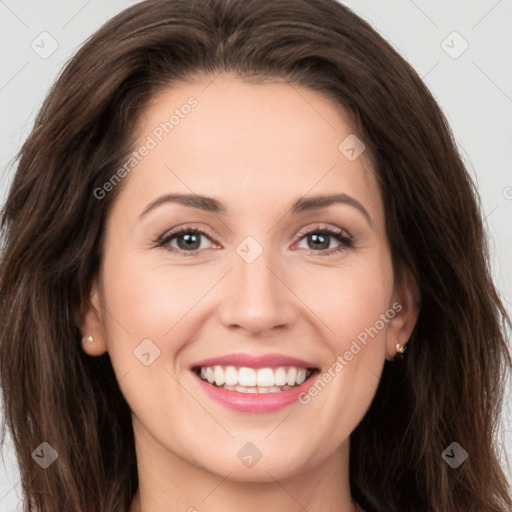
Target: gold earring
<point x="400" y="348"/>
<point x="88" y="339"/>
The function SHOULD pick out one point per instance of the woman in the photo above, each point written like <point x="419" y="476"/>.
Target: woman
<point x="172" y="337"/>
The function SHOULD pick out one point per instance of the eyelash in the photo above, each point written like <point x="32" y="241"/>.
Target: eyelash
<point x="346" y="241"/>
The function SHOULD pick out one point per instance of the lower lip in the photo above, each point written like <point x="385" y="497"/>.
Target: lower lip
<point x="254" y="402"/>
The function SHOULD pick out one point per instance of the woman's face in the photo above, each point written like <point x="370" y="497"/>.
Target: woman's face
<point x="255" y="285"/>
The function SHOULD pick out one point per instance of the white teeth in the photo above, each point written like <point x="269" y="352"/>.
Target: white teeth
<point x="265" y="377"/>
<point x="251" y="380"/>
<point x="231" y="376"/>
<point x="247" y="377"/>
<point x="301" y="376"/>
<point x="242" y="389"/>
<point x="218" y="372"/>
<point x="280" y="377"/>
<point x="290" y="376"/>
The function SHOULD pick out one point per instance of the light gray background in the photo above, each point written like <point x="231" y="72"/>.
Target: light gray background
<point x="474" y="90"/>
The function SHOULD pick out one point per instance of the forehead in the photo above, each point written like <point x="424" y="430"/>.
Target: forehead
<point x="248" y="142"/>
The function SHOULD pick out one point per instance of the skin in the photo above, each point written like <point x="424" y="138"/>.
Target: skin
<point x="256" y="148"/>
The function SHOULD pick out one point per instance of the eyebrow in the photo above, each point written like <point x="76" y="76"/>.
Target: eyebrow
<point x="302" y="204"/>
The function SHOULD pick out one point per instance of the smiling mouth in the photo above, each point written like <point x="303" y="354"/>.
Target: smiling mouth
<point x="254" y="380"/>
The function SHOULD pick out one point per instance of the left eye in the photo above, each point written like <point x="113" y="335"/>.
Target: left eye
<point x="322" y="235"/>
<point x="189" y="240"/>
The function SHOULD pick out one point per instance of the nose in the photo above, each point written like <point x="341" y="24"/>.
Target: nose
<point x="257" y="297"/>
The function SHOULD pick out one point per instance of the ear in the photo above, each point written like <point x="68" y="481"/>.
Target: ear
<point x="90" y="321"/>
<point x="406" y="304"/>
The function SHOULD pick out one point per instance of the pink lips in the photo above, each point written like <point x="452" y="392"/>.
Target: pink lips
<point x="253" y="402"/>
<point x="251" y="361"/>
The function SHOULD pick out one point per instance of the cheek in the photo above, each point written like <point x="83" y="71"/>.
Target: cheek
<point x="353" y="303"/>
<point x="359" y="344"/>
<point x="150" y="300"/>
<point x="347" y="300"/>
<point x="148" y="311"/>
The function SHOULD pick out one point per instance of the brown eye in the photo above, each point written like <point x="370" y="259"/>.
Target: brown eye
<point x="318" y="240"/>
<point x="188" y="240"/>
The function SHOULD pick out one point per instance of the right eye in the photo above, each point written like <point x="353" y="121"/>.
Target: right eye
<point x="188" y="240"/>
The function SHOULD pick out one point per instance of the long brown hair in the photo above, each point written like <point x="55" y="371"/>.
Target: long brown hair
<point x="448" y="387"/>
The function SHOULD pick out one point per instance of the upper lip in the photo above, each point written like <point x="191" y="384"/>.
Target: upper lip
<point x="254" y="361"/>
